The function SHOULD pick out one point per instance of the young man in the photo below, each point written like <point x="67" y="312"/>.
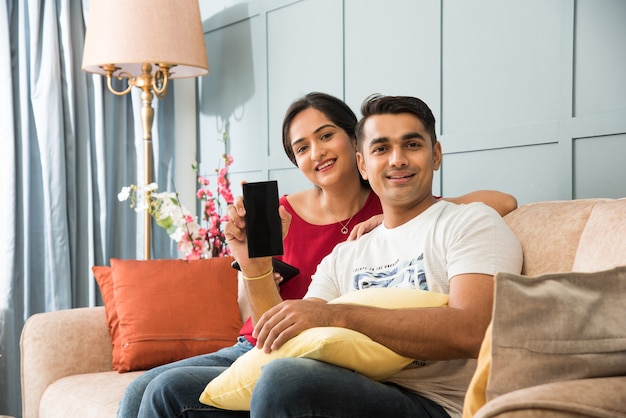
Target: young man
<point x="422" y="243"/>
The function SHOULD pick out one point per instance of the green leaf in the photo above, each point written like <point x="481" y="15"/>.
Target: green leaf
<point x="167" y="224"/>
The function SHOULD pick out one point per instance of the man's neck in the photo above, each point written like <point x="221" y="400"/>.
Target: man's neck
<point x="395" y="215"/>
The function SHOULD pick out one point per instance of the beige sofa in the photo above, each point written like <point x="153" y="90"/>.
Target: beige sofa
<point x="66" y="355"/>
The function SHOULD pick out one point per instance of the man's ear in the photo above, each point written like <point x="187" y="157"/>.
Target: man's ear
<point x="437" y="155"/>
<point x="360" y="163"/>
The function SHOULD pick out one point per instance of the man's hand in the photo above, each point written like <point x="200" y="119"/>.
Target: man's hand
<point x="288" y="319"/>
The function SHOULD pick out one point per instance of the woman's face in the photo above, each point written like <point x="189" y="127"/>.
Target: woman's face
<point x="324" y="152"/>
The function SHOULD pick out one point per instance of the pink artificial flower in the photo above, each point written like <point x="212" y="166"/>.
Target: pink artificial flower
<point x="228" y="196"/>
<point x="208" y="211"/>
<point x="202" y="194"/>
<point x="209" y="208"/>
<point x="214" y="225"/>
<point x="212" y="237"/>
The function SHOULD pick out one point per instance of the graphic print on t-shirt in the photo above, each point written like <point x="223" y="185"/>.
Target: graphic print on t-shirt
<point x="408" y="274"/>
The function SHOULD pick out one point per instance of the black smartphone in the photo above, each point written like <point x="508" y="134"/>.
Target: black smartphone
<point x="263" y="226"/>
<point x="286" y="270"/>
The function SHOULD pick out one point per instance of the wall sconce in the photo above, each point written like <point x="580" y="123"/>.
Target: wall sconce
<point x="147" y="42"/>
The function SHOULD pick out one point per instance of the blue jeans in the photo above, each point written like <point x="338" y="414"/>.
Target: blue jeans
<point x="130" y="404"/>
<point x="290" y="388"/>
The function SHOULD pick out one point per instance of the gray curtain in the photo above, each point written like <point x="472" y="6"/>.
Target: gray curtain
<point x="68" y="146"/>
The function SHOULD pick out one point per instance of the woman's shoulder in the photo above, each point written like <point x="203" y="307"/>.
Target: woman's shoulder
<point x="299" y="203"/>
<point x="298" y="199"/>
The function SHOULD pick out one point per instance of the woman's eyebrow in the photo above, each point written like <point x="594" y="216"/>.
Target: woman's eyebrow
<point x="328" y="125"/>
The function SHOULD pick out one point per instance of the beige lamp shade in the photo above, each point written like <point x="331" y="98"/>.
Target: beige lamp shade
<point x="129" y="33"/>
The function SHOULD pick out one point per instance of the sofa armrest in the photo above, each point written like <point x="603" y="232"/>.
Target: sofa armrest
<point x="599" y="397"/>
<point x="58" y="344"/>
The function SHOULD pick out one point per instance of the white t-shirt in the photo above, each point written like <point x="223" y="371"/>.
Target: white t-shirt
<point x="424" y="253"/>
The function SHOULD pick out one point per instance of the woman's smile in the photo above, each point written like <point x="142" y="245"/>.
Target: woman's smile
<point x="326" y="164"/>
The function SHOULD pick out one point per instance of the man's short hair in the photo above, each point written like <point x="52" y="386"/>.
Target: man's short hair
<point x="378" y="104"/>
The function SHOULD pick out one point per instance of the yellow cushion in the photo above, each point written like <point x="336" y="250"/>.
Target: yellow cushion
<point x="339" y="346"/>
<point x="476" y="396"/>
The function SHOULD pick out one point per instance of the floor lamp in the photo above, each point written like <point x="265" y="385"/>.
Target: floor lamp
<point x="147" y="42"/>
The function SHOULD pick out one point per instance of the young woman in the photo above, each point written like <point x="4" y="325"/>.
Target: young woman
<point x="318" y="137"/>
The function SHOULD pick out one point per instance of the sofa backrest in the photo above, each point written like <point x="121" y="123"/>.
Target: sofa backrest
<point x="571" y="235"/>
<point x="602" y="244"/>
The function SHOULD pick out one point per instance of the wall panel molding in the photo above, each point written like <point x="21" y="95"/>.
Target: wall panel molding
<point x="522" y="91"/>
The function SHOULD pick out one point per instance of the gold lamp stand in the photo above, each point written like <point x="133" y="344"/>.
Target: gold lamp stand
<point x="148" y="83"/>
<point x="163" y="33"/>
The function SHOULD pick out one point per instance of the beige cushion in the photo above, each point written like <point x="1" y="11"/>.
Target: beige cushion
<point x="599" y="397"/>
<point x="552" y="328"/>
<point x="557" y="327"/>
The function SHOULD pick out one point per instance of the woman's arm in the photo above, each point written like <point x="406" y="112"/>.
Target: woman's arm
<point x="503" y="203"/>
<point x="260" y="281"/>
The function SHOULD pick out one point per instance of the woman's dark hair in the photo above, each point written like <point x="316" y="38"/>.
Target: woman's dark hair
<point x="377" y="104"/>
<point x="333" y="108"/>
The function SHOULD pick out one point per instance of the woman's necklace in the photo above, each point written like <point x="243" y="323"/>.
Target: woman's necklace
<point x="344" y="227"/>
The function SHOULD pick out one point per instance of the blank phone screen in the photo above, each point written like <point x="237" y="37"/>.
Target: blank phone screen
<point x="263" y="226"/>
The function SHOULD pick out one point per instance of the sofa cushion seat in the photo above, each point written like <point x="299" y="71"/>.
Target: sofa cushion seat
<point x="89" y="395"/>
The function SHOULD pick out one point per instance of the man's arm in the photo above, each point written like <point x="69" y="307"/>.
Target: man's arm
<point x="444" y="333"/>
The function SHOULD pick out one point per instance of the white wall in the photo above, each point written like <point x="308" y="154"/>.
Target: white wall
<point x="530" y="96"/>
<point x="186" y="144"/>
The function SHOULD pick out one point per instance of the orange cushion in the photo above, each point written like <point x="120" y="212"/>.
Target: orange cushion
<point x="104" y="277"/>
<point x="172" y="309"/>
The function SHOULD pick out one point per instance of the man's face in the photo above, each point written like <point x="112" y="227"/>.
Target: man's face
<point x="398" y="159"/>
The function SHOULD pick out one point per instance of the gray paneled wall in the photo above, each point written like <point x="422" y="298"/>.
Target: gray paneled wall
<point x="530" y="96"/>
